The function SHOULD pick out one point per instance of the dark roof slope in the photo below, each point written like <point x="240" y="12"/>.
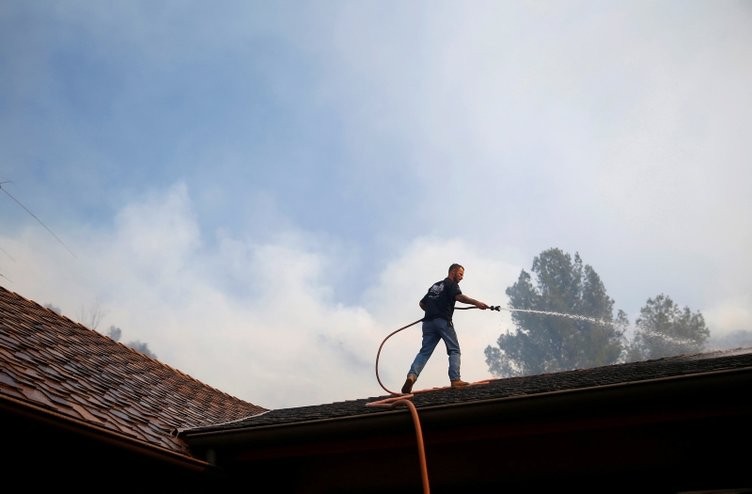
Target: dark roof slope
<point x="59" y="367"/>
<point x="507" y="388"/>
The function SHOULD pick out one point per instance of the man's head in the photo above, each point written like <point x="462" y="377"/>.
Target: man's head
<point x="456" y="272"/>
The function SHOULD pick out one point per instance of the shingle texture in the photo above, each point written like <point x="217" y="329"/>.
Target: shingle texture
<point x="57" y="365"/>
<point x="494" y="389"/>
<point x="60" y="366"/>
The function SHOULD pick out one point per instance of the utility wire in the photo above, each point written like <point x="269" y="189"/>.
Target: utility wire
<point x="35" y="217"/>
<point x="6" y="253"/>
<point x="11" y="258"/>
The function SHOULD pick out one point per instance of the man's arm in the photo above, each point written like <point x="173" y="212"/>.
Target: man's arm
<point x="469" y="300"/>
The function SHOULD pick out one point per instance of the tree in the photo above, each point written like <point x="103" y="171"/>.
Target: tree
<point x="115" y="333"/>
<point x="663" y="330"/>
<point x="565" y="321"/>
<point x="53" y="308"/>
<point x="95" y="316"/>
<point x="142" y="347"/>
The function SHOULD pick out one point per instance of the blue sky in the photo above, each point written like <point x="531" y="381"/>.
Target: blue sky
<point x="262" y="191"/>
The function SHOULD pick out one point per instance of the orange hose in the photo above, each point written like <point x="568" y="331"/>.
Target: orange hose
<point x="397" y="331"/>
<point x="392" y="402"/>
<point x="379" y="353"/>
<point x="404" y="399"/>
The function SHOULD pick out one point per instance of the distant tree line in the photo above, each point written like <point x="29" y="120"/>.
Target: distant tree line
<point x="564" y="320"/>
<point x="137" y="345"/>
<point x="92" y="321"/>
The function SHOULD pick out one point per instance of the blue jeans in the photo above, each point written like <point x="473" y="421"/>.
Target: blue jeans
<point x="433" y="331"/>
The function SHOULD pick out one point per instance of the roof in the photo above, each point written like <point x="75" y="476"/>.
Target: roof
<point x="62" y="368"/>
<point x="625" y="374"/>
<point x="677" y="422"/>
<point x="58" y="367"/>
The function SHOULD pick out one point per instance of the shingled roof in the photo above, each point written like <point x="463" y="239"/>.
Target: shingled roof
<point x="56" y="366"/>
<point x="505" y="389"/>
<point x="66" y="389"/>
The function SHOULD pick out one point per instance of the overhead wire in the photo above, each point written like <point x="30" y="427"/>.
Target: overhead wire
<point x="35" y="217"/>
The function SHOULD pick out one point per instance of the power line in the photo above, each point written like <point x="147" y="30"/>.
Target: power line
<point x="9" y="256"/>
<point x="6" y="253"/>
<point x="35" y="217"/>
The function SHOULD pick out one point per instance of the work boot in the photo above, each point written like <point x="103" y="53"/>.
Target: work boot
<point x="459" y="383"/>
<point x="408" y="386"/>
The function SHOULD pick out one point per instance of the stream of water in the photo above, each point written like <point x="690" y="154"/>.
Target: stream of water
<point x="560" y="314"/>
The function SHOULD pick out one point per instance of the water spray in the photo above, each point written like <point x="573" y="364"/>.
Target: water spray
<point x="545" y="313"/>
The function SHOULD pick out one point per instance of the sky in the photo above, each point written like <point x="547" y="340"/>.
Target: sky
<point x="262" y="191"/>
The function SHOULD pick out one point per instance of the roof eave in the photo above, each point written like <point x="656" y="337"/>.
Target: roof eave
<point x="30" y="412"/>
<point x="667" y="390"/>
